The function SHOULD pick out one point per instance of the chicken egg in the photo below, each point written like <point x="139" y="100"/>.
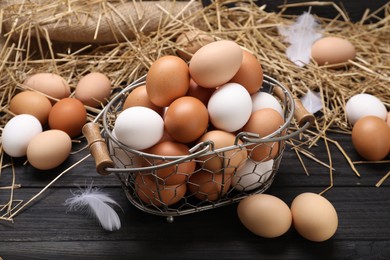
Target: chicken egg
<point x="230" y="107"/>
<point x="139" y="127"/>
<point x="332" y="51"/>
<point x="262" y="100"/>
<point x="175" y="174"/>
<point x="18" y="133"/>
<point x="361" y="105"/>
<point x="68" y="115"/>
<point x="168" y="78"/>
<point x="215" y="63"/>
<point x="153" y="193"/>
<point x="49" y="149"/>
<point x="50" y="84"/>
<point x="196" y="91"/>
<point x="371" y="138"/>
<point x="33" y="103"/>
<point x="139" y="97"/>
<point x="252" y="175"/>
<point x="186" y="119"/>
<point x="93" y="89"/>
<point x="227" y="161"/>
<point x="264" y="122"/>
<point x="314" y="217"/>
<point x="250" y="73"/>
<point x="209" y="186"/>
<point x="265" y="215"/>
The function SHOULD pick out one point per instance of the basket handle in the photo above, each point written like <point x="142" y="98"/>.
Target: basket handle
<point x="98" y="148"/>
<point x="300" y="113"/>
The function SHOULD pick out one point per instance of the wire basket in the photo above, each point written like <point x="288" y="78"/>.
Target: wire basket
<point x="147" y="190"/>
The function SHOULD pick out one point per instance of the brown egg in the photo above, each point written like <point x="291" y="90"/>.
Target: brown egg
<point x="50" y="84"/>
<point x="265" y="215"/>
<point x="68" y="115"/>
<point x="168" y="79"/>
<point x="33" y="103"/>
<point x="371" y="138"/>
<point x="93" y="89"/>
<point x="196" y="91"/>
<point x="174" y="174"/>
<point x="186" y="119"/>
<point x="215" y="63"/>
<point x="333" y="51"/>
<point x="314" y="217"/>
<point x="264" y="122"/>
<point x="189" y="42"/>
<point x="209" y="186"/>
<point x="153" y="193"/>
<point x="49" y="149"/>
<point x="388" y="119"/>
<point x="250" y="74"/>
<point x="139" y="97"/>
<point x="227" y="161"/>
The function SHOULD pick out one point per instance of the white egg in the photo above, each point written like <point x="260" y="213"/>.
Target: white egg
<point x="262" y="100"/>
<point x="139" y="127"/>
<point x="230" y="107"/>
<point x="18" y="133"/>
<point x="361" y="105"/>
<point x="252" y="175"/>
<point x="121" y="157"/>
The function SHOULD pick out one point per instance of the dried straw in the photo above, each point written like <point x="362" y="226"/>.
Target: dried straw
<point x="31" y="43"/>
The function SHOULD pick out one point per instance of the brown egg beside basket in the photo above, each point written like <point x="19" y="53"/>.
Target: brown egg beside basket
<point x="137" y="170"/>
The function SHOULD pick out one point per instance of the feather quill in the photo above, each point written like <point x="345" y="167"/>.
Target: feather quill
<point x="95" y="202"/>
<point x="312" y="101"/>
<point x="301" y="35"/>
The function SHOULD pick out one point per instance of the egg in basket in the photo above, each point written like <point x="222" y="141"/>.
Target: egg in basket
<point x="191" y="137"/>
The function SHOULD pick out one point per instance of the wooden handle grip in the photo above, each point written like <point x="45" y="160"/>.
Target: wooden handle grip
<point x="98" y="148"/>
<point x="300" y="113"/>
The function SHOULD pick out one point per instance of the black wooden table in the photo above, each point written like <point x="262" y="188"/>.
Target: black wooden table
<point x="44" y="230"/>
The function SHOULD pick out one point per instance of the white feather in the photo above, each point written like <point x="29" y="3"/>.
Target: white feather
<point x="97" y="203"/>
<point x="301" y="35"/>
<point x="312" y="101"/>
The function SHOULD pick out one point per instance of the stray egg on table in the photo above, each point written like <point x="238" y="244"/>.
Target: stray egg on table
<point x="50" y="84"/>
<point x="332" y="51"/>
<point x="361" y="105"/>
<point x="168" y="78"/>
<point x="139" y="127"/>
<point x="226" y="161"/>
<point x="314" y="217"/>
<point x="49" y="149"/>
<point x="191" y="41"/>
<point x="216" y="63"/>
<point x="68" y="115"/>
<point x="209" y="186"/>
<point x="371" y="138"/>
<point x="250" y="73"/>
<point x="175" y="174"/>
<point x="265" y="215"/>
<point x="262" y="100"/>
<point x="33" y="103"/>
<point x="230" y="107"/>
<point x="153" y="193"/>
<point x="139" y="97"/>
<point x="264" y="122"/>
<point x="252" y="175"/>
<point x="186" y="119"/>
<point x="93" y="89"/>
<point x="17" y="134"/>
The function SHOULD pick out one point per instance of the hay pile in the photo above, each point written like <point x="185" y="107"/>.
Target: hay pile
<point x="122" y="39"/>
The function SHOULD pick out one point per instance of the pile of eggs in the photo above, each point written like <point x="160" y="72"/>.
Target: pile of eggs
<point x="211" y="98"/>
<point x="370" y="122"/>
<point x="47" y="117"/>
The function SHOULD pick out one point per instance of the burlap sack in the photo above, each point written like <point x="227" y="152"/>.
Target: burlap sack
<point x="85" y="21"/>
